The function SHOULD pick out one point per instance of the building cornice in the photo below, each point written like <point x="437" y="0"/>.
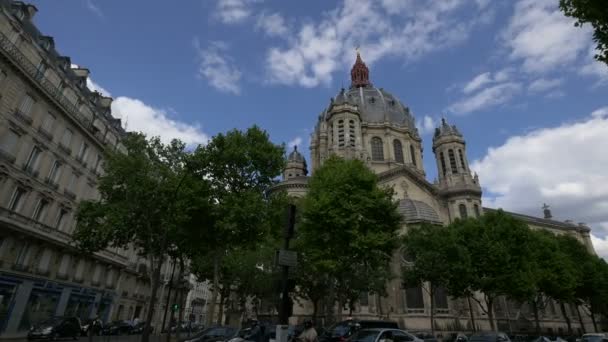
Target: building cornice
<point x="412" y="175"/>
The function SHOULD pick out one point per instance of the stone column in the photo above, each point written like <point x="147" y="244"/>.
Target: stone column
<point x="63" y="301"/>
<point x="21" y="298"/>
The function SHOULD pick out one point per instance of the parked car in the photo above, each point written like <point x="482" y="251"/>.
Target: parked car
<point x="214" y="334"/>
<point x="56" y="327"/>
<point x="597" y="337"/>
<point x="382" y="335"/>
<point x="425" y="336"/>
<point x="341" y="331"/>
<point x="87" y="325"/>
<point x="489" y="337"/>
<point x="139" y="328"/>
<point x="118" y="328"/>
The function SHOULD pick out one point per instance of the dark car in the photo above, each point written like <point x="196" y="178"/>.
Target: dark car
<point x="213" y="335"/>
<point x="341" y="331"/>
<point x="489" y="337"/>
<point x="139" y="328"/>
<point x="55" y="328"/>
<point x="118" y="328"/>
<point x="88" y="325"/>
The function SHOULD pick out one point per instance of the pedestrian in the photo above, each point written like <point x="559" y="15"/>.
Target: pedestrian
<point x="309" y="334"/>
<point x="255" y="334"/>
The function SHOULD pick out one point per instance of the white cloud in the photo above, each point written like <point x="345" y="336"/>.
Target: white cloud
<point x="96" y="87"/>
<point x="140" y="117"/>
<point x="544" y="84"/>
<point x="592" y="67"/>
<point x="488" y="97"/>
<point x="217" y="67"/>
<point x="563" y="166"/>
<point x="233" y="11"/>
<point x="94" y="8"/>
<point x="477" y="82"/>
<point x="600" y="113"/>
<point x="542" y="37"/>
<point x="600" y="245"/>
<point x="297" y="141"/>
<point x="405" y="30"/>
<point x="426" y="125"/>
<point x="273" y="25"/>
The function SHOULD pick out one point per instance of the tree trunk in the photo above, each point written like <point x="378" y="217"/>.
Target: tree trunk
<point x="580" y="319"/>
<point x="221" y="311"/>
<point x="172" y="316"/>
<point x="593" y="320"/>
<point x="490" y="306"/>
<point x="180" y="315"/>
<point x="145" y="336"/>
<point x="340" y="309"/>
<point x="168" y="303"/>
<point x="432" y="295"/>
<point x="315" y="308"/>
<point x="562" y="307"/>
<point x="216" y="287"/>
<point x="472" y="314"/>
<point x="536" y="318"/>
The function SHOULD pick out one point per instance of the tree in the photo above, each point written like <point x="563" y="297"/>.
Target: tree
<point x="433" y="256"/>
<point x="240" y="167"/>
<point x="145" y="195"/>
<point x="500" y="250"/>
<point x="348" y="228"/>
<point x="595" y="13"/>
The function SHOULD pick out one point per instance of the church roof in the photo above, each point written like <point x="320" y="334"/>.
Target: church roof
<point x="375" y="105"/>
<point x="414" y="211"/>
<point x="445" y="129"/>
<point x="543" y="221"/>
<point x="296" y="156"/>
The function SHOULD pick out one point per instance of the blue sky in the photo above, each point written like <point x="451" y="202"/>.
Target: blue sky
<point x="515" y="76"/>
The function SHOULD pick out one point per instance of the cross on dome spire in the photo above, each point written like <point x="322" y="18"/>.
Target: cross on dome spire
<point x="359" y="74"/>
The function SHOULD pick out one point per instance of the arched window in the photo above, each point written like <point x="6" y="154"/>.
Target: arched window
<point x="377" y="149"/>
<point x="398" y="151"/>
<point x="414" y="298"/>
<point x="464" y="166"/>
<point x="341" y="133"/>
<point x="476" y="210"/>
<point x="463" y="210"/>
<point x="442" y="157"/>
<point x="351" y="133"/>
<point x="452" y="161"/>
<point x="413" y="154"/>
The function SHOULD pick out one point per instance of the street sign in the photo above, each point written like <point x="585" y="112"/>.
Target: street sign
<point x="287" y="258"/>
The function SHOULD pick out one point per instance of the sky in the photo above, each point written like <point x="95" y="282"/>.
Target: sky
<point x="515" y="76"/>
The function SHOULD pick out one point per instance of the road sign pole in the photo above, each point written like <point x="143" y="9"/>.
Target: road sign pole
<point x="284" y="313"/>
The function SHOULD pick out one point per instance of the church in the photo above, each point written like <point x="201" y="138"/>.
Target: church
<point x="369" y="123"/>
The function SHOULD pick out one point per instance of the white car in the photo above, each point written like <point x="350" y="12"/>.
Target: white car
<point x="383" y="335"/>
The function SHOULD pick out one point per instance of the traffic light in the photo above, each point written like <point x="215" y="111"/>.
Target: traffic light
<point x="175" y="307"/>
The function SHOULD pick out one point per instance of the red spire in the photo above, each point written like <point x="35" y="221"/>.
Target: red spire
<point x="359" y="74"/>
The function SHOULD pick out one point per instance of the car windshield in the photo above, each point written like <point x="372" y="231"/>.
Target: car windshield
<point x="51" y="321"/>
<point x="340" y="329"/>
<point x="483" y="338"/>
<point x="592" y="338"/>
<point x="365" y="336"/>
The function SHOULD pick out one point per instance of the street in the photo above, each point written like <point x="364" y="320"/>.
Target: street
<point x="121" y="338"/>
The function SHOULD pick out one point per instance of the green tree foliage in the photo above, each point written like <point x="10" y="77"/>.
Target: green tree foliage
<point x="348" y="230"/>
<point x="240" y="167"/>
<point x="146" y="196"/>
<point x="432" y="255"/>
<point x="595" y="13"/>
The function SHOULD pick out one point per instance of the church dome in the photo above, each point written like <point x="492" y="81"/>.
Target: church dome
<point x="414" y="211"/>
<point x="295" y="156"/>
<point x="375" y="105"/>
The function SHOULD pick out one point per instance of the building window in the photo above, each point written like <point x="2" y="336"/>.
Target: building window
<point x="47" y="125"/>
<point x="23" y="255"/>
<point x="351" y="133"/>
<point x="3" y="75"/>
<point x="98" y="162"/>
<point x="17" y="199"/>
<point x="62" y="219"/>
<point x="26" y="105"/>
<point x="442" y="157"/>
<point x="40" y="211"/>
<point x="476" y="210"/>
<point x="73" y="181"/>
<point x="464" y="166"/>
<point x="55" y="172"/>
<point x="413" y="297"/>
<point x="84" y="152"/>
<point x="377" y="149"/>
<point x="8" y="142"/>
<point x="32" y="161"/>
<point x="452" y="161"/>
<point x="40" y="70"/>
<point x="341" y="133"/>
<point x="66" y="140"/>
<point x="14" y="37"/>
<point x="440" y="297"/>
<point x="463" y="210"/>
<point x="398" y="151"/>
<point x="413" y="154"/>
<point x="364" y="299"/>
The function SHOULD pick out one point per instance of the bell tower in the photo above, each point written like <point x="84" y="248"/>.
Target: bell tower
<point x="456" y="184"/>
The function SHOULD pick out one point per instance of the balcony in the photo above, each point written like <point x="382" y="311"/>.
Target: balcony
<point x="65" y="149"/>
<point x="51" y="183"/>
<point x="53" y="91"/>
<point x="45" y="134"/>
<point x="69" y="194"/>
<point x="26" y="119"/>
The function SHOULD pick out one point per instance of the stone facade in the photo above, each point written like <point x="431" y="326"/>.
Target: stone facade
<point x="370" y="124"/>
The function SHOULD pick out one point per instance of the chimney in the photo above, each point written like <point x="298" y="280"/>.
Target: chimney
<point x="547" y="211"/>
